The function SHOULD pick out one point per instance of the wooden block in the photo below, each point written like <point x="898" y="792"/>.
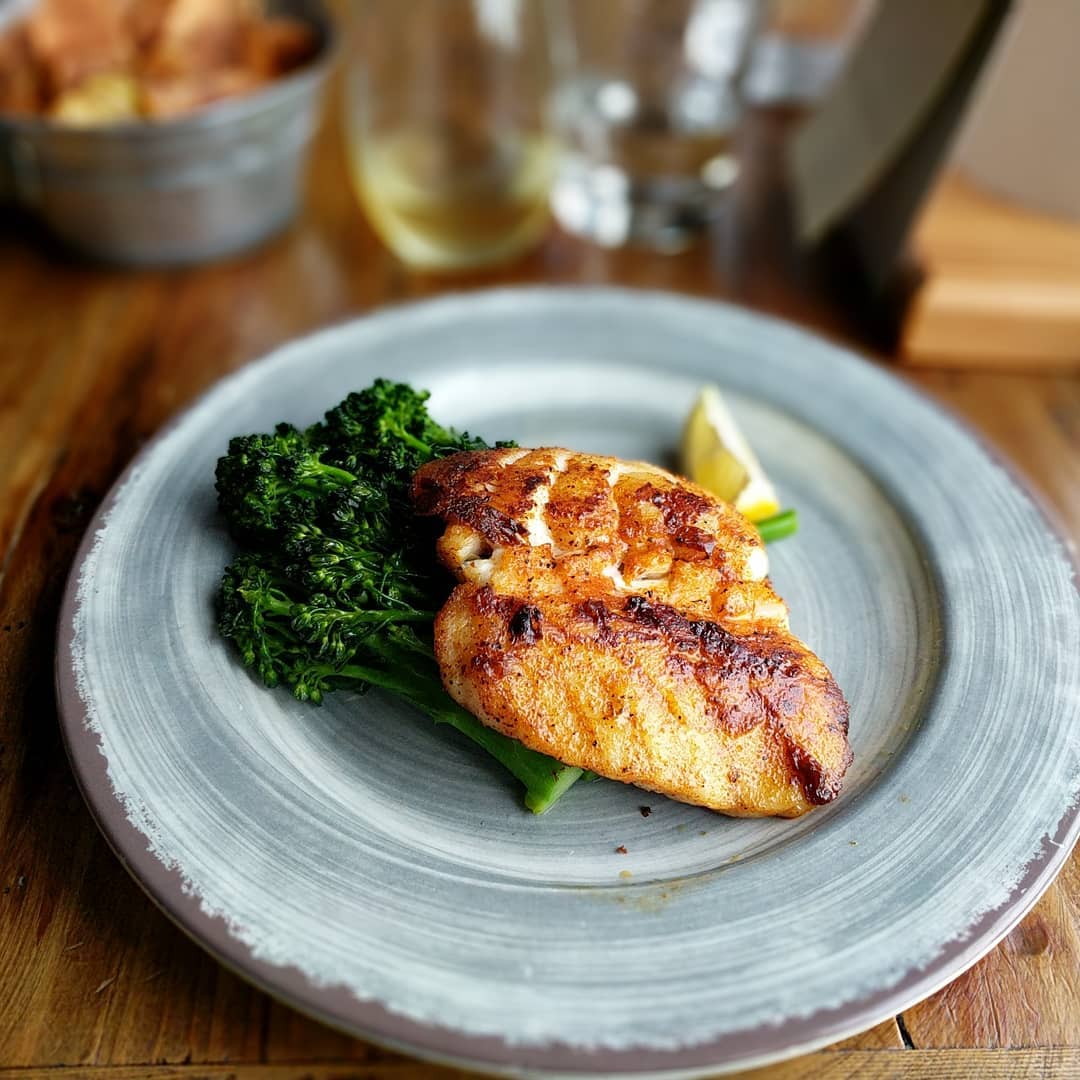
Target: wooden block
<point x="1002" y="285"/>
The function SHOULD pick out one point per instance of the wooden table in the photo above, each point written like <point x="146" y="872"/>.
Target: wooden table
<point x="94" y="981"/>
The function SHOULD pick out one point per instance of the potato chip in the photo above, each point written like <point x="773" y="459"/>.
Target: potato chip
<point x="73" y="39"/>
<point x="100" y="99"/>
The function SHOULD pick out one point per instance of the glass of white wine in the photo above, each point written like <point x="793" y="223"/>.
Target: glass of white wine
<point x="446" y="114"/>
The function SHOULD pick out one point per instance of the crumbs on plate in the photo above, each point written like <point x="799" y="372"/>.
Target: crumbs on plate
<point x="106" y="61"/>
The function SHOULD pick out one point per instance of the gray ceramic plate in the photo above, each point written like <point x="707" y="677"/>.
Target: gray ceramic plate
<point x="381" y="874"/>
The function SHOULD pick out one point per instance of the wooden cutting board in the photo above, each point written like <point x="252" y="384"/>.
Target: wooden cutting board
<point x="1001" y="287"/>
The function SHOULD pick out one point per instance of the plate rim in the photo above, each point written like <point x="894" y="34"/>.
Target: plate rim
<point x="338" y="1007"/>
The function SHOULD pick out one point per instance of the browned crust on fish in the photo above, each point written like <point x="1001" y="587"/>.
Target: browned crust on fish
<point x="615" y="617"/>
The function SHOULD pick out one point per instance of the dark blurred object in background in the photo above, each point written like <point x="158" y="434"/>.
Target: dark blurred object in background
<point x="863" y="163"/>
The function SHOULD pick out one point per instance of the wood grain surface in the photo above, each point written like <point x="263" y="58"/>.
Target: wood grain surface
<point x="94" y="981"/>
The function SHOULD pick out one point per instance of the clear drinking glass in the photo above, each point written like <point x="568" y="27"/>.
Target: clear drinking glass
<point x="647" y="108"/>
<point x="446" y="112"/>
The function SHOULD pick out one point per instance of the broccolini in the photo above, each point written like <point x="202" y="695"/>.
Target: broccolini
<point x="336" y="584"/>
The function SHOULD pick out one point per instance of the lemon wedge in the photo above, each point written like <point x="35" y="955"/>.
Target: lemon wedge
<point x="716" y="455"/>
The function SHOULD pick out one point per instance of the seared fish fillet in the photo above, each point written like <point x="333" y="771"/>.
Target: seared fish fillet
<point x="619" y="618"/>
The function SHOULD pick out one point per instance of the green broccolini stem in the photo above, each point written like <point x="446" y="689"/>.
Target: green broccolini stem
<point x="313" y="479"/>
<point x="343" y="475"/>
<point x="270" y="605"/>
<point x="313" y="476"/>
<point x="545" y="779"/>
<point x="414" y="442"/>
<point x="786" y="523"/>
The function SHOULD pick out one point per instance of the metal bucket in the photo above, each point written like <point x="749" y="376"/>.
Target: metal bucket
<point x="174" y="191"/>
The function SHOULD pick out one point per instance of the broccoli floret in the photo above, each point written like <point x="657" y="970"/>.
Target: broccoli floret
<point x="267" y="480"/>
<point x="391" y="419"/>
